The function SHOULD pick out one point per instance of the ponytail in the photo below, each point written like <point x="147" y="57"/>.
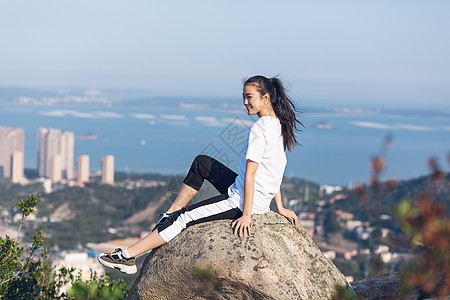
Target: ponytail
<point x="282" y="105"/>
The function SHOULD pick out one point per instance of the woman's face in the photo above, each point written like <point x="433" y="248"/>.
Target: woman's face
<point x="253" y="101"/>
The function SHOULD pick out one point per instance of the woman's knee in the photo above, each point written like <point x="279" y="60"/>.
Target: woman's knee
<point x="203" y="164"/>
<point x="202" y="158"/>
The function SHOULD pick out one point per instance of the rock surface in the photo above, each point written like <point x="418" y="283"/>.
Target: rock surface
<point x="382" y="287"/>
<point x="389" y="287"/>
<point x="206" y="261"/>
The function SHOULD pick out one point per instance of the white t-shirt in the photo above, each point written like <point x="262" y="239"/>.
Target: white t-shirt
<point x="264" y="145"/>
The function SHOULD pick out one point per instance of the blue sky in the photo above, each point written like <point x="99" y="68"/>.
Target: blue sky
<point x="360" y="53"/>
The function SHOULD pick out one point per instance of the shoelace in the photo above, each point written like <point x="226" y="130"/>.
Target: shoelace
<point x="161" y="217"/>
<point x="117" y="252"/>
<point x="164" y="215"/>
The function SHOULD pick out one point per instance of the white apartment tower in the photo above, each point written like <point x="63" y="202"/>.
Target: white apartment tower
<point x="67" y="147"/>
<point x="49" y="145"/>
<point x="108" y="169"/>
<point x="17" y="175"/>
<point x="83" y="169"/>
<point x="12" y="140"/>
<point x="55" y="169"/>
<point x="55" y="153"/>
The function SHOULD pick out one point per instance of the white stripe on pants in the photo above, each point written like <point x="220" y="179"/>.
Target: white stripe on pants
<point x="216" y="208"/>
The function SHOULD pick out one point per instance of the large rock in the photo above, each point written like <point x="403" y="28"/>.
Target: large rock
<point x="389" y="287"/>
<point x="206" y="261"/>
<point x="382" y="287"/>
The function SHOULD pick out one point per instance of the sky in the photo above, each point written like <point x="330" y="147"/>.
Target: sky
<point x="359" y="53"/>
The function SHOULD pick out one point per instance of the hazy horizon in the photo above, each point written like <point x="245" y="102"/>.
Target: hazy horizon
<point x="304" y="105"/>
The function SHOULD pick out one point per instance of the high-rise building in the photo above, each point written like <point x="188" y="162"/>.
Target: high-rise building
<point x="17" y="175"/>
<point x="108" y="169"/>
<point x="67" y="147"/>
<point x="53" y="143"/>
<point x="56" y="169"/>
<point x="49" y="145"/>
<point x="83" y="169"/>
<point x="11" y="140"/>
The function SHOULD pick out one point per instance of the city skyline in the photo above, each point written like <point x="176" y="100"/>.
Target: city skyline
<point x="55" y="158"/>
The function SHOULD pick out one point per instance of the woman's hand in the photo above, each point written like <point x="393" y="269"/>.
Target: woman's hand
<point x="290" y="215"/>
<point x="242" y="225"/>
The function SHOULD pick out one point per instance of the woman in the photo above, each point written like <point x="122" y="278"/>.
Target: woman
<point x="258" y="181"/>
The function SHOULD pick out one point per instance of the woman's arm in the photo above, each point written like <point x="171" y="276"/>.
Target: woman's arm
<point x="289" y="214"/>
<point x="278" y="201"/>
<point x="242" y="225"/>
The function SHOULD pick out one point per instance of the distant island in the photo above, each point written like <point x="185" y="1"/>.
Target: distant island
<point x="87" y="137"/>
<point x="323" y="125"/>
<point x="88" y="97"/>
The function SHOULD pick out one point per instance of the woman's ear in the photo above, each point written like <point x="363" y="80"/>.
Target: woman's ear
<point x="266" y="98"/>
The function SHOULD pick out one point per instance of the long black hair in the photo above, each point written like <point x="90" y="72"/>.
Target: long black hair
<point x="282" y="105"/>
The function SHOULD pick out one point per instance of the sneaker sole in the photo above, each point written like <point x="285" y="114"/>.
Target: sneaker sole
<point x="124" y="269"/>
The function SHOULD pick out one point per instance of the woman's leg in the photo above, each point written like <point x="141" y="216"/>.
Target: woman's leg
<point x="215" y="208"/>
<point x="185" y="195"/>
<point x="124" y="259"/>
<point x="203" y="167"/>
<point x="145" y="244"/>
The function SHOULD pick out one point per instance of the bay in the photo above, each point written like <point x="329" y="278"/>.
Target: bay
<point x="166" y="140"/>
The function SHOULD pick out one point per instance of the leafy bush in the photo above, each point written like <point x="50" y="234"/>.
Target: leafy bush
<point x="26" y="273"/>
<point x="99" y="287"/>
<point x="428" y="229"/>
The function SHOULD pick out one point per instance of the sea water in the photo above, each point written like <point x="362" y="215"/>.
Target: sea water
<point x="335" y="148"/>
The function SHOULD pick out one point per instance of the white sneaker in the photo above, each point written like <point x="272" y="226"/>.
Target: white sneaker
<point x="115" y="260"/>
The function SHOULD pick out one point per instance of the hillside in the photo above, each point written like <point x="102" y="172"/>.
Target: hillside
<point x="74" y="216"/>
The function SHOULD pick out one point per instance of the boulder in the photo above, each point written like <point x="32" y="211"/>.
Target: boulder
<point x="206" y="261"/>
<point x="389" y="287"/>
<point x="381" y="287"/>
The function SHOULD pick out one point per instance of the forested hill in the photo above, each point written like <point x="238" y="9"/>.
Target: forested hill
<point x="391" y="193"/>
<point x="74" y="216"/>
<point x="439" y="190"/>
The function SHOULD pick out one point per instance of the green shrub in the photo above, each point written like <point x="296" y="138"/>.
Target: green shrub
<point x="26" y="272"/>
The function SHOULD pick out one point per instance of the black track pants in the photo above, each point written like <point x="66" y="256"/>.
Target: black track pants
<point x="205" y="167"/>
<point x="215" y="208"/>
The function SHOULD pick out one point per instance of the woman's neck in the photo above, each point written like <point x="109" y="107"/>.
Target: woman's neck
<point x="264" y="113"/>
